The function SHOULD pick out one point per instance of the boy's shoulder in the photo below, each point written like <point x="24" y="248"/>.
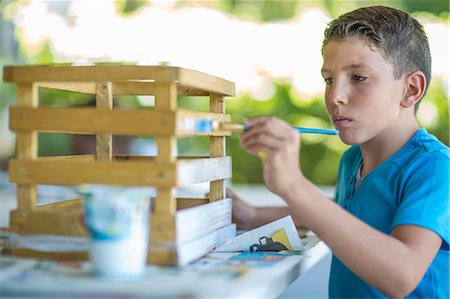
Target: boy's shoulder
<point x="427" y="144"/>
<point x="423" y="151"/>
<point x="421" y="146"/>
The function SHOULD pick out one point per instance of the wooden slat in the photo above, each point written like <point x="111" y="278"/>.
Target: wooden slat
<point x="191" y="91"/>
<point x="185" y="203"/>
<point x="185" y="77"/>
<point x="60" y="206"/>
<point x="64" y="256"/>
<point x="149" y="88"/>
<point x="104" y="101"/>
<point x="206" y="82"/>
<point x="57" y="73"/>
<point x="117" y="121"/>
<point x="181" y="113"/>
<point x="27" y="146"/>
<point x="217" y="188"/>
<point x="74" y="172"/>
<point x="91" y="120"/>
<point x="120" y="88"/>
<point x="130" y="173"/>
<point x="74" y="157"/>
<point x="192" y="171"/>
<point x="80" y="87"/>
<point x="91" y="158"/>
<point x="48" y="222"/>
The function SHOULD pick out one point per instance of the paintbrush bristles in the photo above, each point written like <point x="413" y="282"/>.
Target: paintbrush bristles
<point x="227" y="126"/>
<point x="231" y="127"/>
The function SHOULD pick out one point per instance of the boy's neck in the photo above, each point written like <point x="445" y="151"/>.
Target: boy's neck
<point x="380" y="148"/>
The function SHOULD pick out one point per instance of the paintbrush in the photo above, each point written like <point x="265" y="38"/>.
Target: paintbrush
<point x="238" y="127"/>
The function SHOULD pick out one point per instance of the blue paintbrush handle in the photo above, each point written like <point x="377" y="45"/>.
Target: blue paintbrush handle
<point x="207" y="125"/>
<point x="316" y="131"/>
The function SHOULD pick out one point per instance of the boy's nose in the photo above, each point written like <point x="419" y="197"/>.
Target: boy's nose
<point x="338" y="94"/>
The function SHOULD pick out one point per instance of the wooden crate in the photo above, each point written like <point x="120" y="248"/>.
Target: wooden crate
<point x="165" y="171"/>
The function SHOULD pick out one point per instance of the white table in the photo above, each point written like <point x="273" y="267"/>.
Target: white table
<point x="219" y="275"/>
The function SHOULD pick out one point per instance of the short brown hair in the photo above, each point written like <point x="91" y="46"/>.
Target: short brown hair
<point x="400" y="37"/>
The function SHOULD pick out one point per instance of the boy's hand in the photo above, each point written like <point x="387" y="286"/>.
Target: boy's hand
<point x="244" y="215"/>
<point x="278" y="144"/>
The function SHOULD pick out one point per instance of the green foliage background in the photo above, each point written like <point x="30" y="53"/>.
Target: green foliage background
<point x="320" y="154"/>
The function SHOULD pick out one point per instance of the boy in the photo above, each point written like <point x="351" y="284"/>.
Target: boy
<point x="389" y="226"/>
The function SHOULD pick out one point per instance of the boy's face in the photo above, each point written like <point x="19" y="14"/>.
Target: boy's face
<point x="361" y="95"/>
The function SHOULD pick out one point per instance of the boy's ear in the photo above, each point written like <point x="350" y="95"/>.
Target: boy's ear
<point x="415" y="84"/>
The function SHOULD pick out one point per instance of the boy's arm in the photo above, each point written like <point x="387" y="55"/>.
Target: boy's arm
<point x="247" y="217"/>
<point x="394" y="264"/>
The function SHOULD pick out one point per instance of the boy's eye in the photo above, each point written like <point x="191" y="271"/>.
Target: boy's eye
<point x="328" y="81"/>
<point x="359" y="78"/>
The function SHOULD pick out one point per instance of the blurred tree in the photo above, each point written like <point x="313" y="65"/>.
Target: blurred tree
<point x="319" y="154"/>
<point x="261" y="10"/>
<point x="433" y="113"/>
<point x="128" y="7"/>
<point x="9" y="49"/>
<point x="436" y="7"/>
<point x="9" y="54"/>
<point x="274" y="10"/>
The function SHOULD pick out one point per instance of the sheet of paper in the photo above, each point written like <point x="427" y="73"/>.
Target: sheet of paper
<point x="275" y="236"/>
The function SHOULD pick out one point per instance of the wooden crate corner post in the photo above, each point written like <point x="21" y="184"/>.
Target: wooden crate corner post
<point x="217" y="189"/>
<point x="27" y="146"/>
<point x="163" y="223"/>
<point x="104" y="100"/>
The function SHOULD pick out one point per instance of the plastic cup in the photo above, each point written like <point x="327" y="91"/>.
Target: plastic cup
<point x="118" y="221"/>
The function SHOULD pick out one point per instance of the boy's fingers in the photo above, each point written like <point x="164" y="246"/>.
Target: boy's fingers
<point x="261" y="140"/>
<point x="252" y="121"/>
<point x="267" y="125"/>
<point x="262" y="123"/>
<point x="261" y="152"/>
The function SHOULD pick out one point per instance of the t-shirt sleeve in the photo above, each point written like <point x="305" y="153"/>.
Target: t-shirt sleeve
<point x="425" y="197"/>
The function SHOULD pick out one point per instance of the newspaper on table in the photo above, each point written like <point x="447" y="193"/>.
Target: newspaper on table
<point x="226" y="275"/>
<point x="279" y="235"/>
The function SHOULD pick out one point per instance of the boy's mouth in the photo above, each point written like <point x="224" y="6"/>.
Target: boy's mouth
<point x="341" y="121"/>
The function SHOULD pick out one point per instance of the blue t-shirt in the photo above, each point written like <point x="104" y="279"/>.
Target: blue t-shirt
<point x="410" y="187"/>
